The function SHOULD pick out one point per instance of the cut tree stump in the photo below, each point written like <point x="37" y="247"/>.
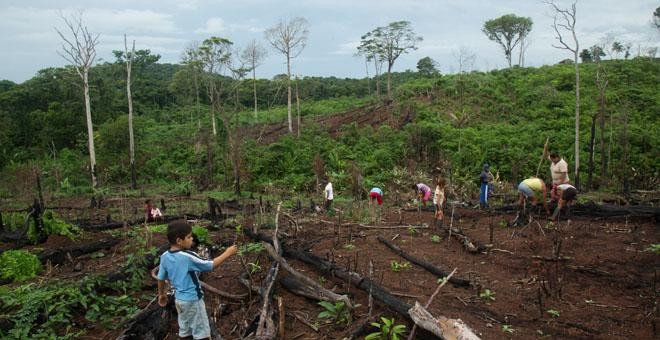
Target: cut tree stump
<point x="426" y="265"/>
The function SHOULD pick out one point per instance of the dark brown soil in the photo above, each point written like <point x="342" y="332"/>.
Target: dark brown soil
<point x="617" y="300"/>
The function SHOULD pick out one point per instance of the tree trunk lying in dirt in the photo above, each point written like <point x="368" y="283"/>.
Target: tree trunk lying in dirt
<point x="85" y="225"/>
<point x="426" y="265"/>
<point x="471" y="246"/>
<point x="442" y="327"/>
<point x="59" y="256"/>
<point x="151" y="323"/>
<point x="305" y="284"/>
<point x="593" y="209"/>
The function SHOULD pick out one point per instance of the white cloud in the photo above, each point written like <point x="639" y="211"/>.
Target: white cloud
<point x="213" y="25"/>
<point x="348" y="48"/>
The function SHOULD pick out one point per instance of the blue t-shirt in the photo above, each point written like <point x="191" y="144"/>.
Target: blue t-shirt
<point x="182" y="268"/>
<point x="377" y="190"/>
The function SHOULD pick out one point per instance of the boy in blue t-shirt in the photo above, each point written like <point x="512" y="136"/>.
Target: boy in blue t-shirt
<point x="181" y="268"/>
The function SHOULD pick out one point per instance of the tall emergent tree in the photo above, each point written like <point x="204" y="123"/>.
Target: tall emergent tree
<point x="564" y="20"/>
<point x="252" y="56"/>
<point x="656" y="18"/>
<point x="79" y="48"/>
<point x="289" y="37"/>
<point x="369" y="50"/>
<point x="388" y="43"/>
<point x="507" y="30"/>
<point x="214" y="54"/>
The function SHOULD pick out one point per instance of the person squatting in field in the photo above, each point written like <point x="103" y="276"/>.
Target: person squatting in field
<point x="532" y="189"/>
<point x="423" y="192"/>
<point x="567" y="194"/>
<point x="375" y="196"/>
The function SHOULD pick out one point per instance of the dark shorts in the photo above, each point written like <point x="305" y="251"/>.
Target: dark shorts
<point x="569" y="194"/>
<point x="376" y="196"/>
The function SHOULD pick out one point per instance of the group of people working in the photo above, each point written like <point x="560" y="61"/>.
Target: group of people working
<point x="531" y="190"/>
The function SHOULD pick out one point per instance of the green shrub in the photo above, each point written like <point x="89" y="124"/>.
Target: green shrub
<point x="18" y="265"/>
<point x="201" y="233"/>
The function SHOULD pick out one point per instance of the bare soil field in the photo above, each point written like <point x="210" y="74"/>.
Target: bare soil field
<point x="580" y="278"/>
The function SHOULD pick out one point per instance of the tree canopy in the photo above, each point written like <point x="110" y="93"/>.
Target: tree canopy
<point x="507" y="30"/>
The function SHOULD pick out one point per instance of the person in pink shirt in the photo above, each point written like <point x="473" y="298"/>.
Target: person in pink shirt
<point x="423" y="192"/>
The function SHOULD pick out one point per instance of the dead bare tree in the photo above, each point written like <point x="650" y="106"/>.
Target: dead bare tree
<point x="79" y="48"/>
<point x="565" y="19"/>
<point x="131" y="140"/>
<point x="252" y="56"/>
<point x="289" y="37"/>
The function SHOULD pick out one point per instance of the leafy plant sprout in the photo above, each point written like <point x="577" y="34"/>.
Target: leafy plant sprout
<point x="553" y="313"/>
<point x="254" y="267"/>
<point x="487" y="294"/>
<point x="435" y="239"/>
<point x="507" y="329"/>
<point x="388" y="330"/>
<point x="397" y="267"/>
<point x="336" y="313"/>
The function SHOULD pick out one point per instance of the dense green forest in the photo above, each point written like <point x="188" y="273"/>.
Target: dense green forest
<point x="460" y="121"/>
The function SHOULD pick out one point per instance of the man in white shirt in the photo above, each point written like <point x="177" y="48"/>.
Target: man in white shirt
<point x="329" y="195"/>
<point x="559" y="172"/>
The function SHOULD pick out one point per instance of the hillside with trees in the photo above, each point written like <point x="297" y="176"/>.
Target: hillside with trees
<point x="320" y="188"/>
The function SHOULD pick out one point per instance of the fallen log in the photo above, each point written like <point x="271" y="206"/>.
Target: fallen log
<point x="304" y="284"/>
<point x="442" y="327"/>
<point x="393" y="226"/>
<point x="426" y="265"/>
<point x="87" y="226"/>
<point x="151" y="323"/>
<point x="592" y="209"/>
<point x="471" y="246"/>
<point x="59" y="256"/>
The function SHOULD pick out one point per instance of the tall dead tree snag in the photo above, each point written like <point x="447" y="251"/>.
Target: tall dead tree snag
<point x="79" y="48"/>
<point x="289" y="37"/>
<point x="131" y="140"/>
<point x="565" y="20"/>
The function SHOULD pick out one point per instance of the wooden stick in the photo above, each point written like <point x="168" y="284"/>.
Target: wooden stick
<point x="305" y="322"/>
<point x="428" y="303"/>
<point x="393" y="227"/>
<point x="280" y="307"/>
<point x="545" y="150"/>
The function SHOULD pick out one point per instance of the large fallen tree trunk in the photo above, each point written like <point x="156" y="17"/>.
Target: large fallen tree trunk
<point x="426" y="265"/>
<point x="87" y="226"/>
<point x="59" y="256"/>
<point x="593" y="209"/>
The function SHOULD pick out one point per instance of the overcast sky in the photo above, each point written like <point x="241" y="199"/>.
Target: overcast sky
<point x="166" y="27"/>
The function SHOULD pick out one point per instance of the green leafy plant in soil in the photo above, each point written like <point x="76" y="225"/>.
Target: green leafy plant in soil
<point x="18" y="265"/>
<point x="50" y="310"/>
<point x="336" y="313"/>
<point x="487" y="294"/>
<point x="397" y="267"/>
<point x="388" y="330"/>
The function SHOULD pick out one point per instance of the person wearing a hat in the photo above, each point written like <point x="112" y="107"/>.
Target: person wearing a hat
<point x="485" y="178"/>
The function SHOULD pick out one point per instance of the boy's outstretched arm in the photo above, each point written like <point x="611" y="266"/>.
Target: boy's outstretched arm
<point x="162" y="294"/>
<point x="229" y="252"/>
